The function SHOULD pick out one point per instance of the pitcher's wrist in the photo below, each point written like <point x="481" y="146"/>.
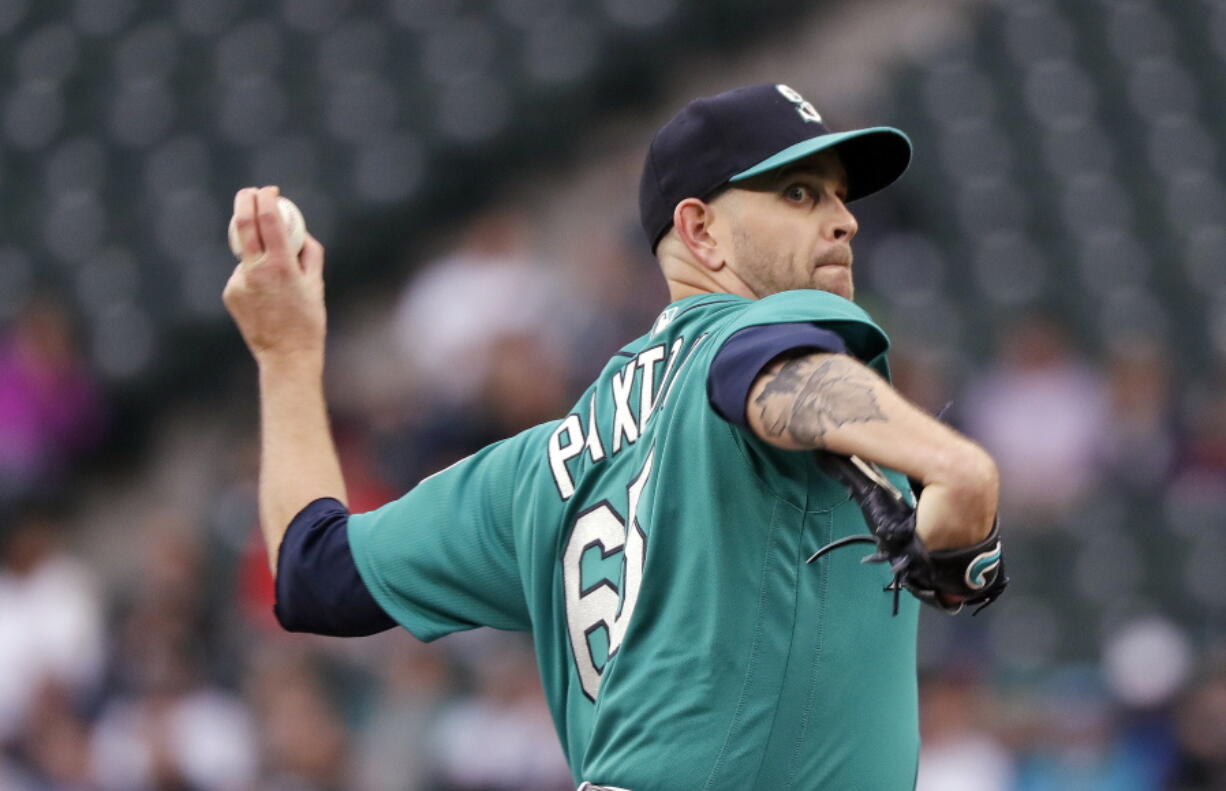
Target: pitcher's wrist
<point x="291" y="362"/>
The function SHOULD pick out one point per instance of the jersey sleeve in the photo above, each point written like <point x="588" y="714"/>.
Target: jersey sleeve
<point x="749" y="350"/>
<point x="780" y="323"/>
<point x="318" y="586"/>
<point x="442" y="558"/>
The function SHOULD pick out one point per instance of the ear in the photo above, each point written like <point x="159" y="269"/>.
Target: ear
<point x="692" y="220"/>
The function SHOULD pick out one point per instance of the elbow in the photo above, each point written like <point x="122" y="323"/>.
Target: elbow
<point x="980" y="472"/>
<point x="319" y="588"/>
<point x="973" y="480"/>
<point x="288" y="616"/>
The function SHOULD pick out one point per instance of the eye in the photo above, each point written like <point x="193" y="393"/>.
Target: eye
<point x="798" y="193"/>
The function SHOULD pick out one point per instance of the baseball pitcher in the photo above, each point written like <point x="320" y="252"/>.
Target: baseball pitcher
<point x="677" y="544"/>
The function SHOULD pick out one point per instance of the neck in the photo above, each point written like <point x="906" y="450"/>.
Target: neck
<point x="687" y="276"/>
<point x="678" y="290"/>
<point x="689" y="281"/>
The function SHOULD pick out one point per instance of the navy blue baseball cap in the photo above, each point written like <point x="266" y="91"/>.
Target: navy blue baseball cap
<point x="741" y="133"/>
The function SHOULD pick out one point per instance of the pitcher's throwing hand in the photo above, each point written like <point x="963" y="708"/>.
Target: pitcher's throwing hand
<point x="276" y="299"/>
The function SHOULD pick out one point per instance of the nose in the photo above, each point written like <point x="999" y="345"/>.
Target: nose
<point x="842" y="225"/>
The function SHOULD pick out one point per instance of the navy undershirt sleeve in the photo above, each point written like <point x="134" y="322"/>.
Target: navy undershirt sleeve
<point x="319" y="589"/>
<point x="747" y="352"/>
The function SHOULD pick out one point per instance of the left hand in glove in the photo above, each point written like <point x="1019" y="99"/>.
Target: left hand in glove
<point x="944" y="578"/>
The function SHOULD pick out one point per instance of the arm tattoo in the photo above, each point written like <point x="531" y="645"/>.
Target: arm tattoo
<point x="806" y="399"/>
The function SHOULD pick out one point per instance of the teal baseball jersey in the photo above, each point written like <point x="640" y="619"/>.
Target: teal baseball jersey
<point x="656" y="552"/>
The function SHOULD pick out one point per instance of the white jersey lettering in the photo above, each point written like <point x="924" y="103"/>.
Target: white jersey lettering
<point x="646" y="362"/>
<point x="624" y="424"/>
<point x="560" y="453"/>
<point x="595" y="448"/>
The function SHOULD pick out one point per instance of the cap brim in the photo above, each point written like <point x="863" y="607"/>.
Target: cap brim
<point x="874" y="158"/>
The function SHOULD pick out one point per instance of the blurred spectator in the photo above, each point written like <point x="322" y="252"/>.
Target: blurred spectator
<point x="1040" y="410"/>
<point x="522" y="383"/>
<point x="170" y="726"/>
<point x="1146" y="661"/>
<point x="456" y="307"/>
<point x="959" y="751"/>
<point x="50" y="621"/>
<point x="1077" y="744"/>
<point x="162" y="600"/>
<point x="302" y="736"/>
<point x="396" y="744"/>
<point x="176" y="732"/>
<point x="484" y="329"/>
<point x="53" y="749"/>
<point x="1202" y="734"/>
<point x="1139" y="447"/>
<point x="51" y="408"/>
<point x="502" y="738"/>
<point x="923" y="375"/>
<point x="618" y="292"/>
<point x="1205" y="453"/>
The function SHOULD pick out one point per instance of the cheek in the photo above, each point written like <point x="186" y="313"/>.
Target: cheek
<point x="757" y="242"/>
<point x="784" y="238"/>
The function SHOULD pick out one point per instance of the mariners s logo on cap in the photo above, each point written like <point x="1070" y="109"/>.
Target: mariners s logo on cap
<point x="806" y="109"/>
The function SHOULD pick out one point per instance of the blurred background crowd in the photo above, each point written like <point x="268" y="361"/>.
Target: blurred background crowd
<point x="1052" y="272"/>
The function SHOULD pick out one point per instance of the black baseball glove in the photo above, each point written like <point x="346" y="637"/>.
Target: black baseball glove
<point x="969" y="575"/>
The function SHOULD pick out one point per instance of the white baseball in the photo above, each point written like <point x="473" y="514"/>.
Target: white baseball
<point x="295" y="228"/>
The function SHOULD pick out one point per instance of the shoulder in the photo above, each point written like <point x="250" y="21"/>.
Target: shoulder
<point x="862" y="336"/>
<point x="805" y="305"/>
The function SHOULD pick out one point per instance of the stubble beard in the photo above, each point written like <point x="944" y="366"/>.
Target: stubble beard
<point x="766" y="274"/>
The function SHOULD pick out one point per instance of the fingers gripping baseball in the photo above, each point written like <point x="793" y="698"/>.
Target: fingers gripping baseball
<point x="276" y="298"/>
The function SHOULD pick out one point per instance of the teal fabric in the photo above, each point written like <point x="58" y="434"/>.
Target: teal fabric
<point x="813" y="145"/>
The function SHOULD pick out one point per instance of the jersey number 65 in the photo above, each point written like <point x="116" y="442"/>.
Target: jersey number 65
<point x="598" y="607"/>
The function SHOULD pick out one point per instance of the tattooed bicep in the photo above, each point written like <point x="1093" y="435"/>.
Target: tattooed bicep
<point x="804" y="397"/>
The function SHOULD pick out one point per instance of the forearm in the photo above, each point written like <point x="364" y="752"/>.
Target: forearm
<point x="832" y="402"/>
<point x="298" y="460"/>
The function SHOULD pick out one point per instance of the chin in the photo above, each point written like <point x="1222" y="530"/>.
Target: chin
<point x="839" y="284"/>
